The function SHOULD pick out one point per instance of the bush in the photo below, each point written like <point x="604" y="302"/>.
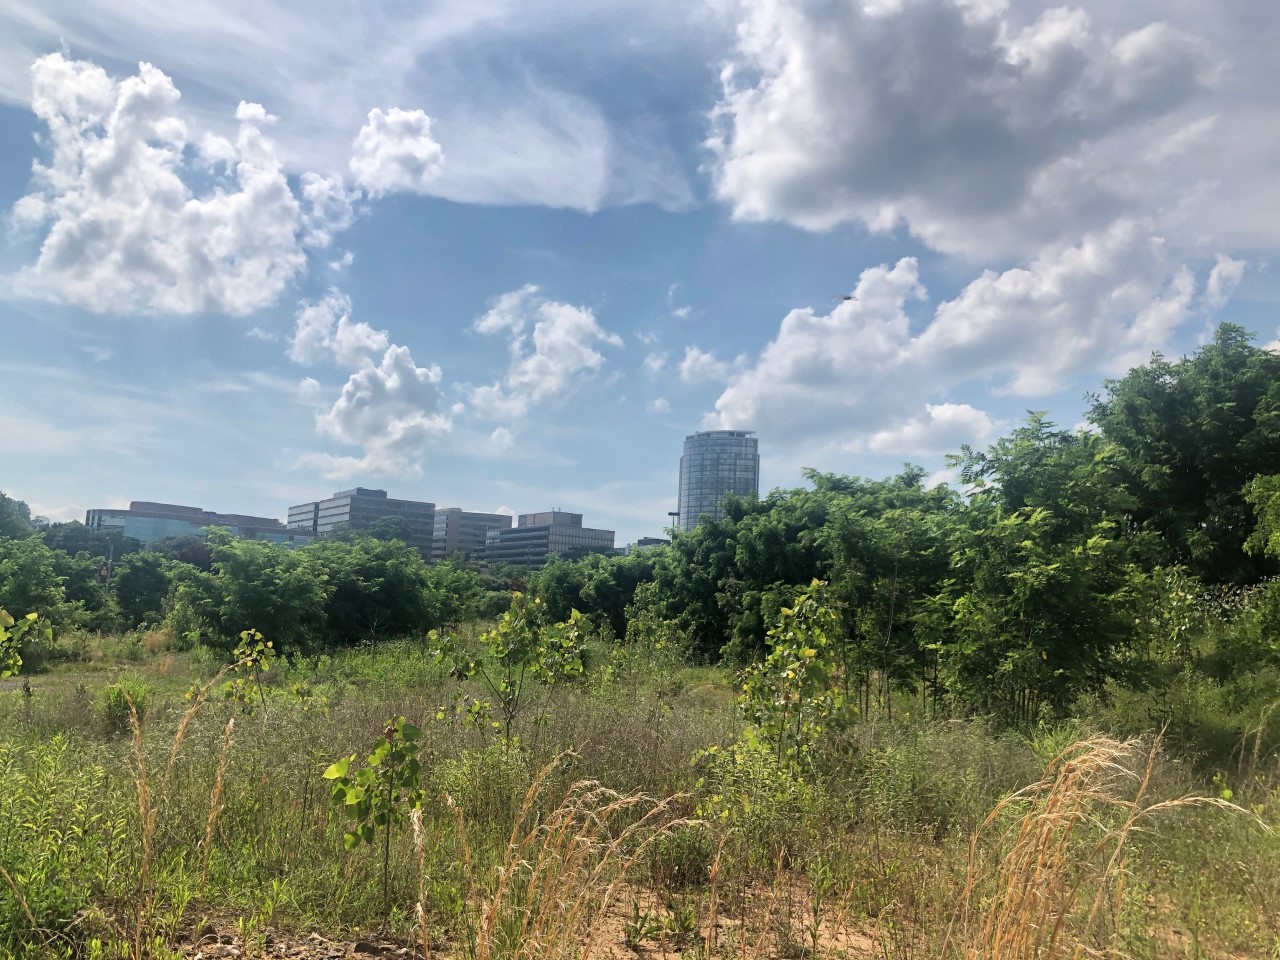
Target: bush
<point x="112" y="705"/>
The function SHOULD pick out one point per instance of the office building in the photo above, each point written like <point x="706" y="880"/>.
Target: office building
<point x="537" y="536"/>
<point x="716" y="463"/>
<point x="147" y="522"/>
<point x="463" y="532"/>
<point x="358" y="508"/>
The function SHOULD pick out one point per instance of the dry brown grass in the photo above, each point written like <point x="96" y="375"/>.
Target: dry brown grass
<point x="563" y="870"/>
<point x="1058" y="888"/>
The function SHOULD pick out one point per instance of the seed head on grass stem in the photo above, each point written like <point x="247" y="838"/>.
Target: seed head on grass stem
<point x="1059" y="887"/>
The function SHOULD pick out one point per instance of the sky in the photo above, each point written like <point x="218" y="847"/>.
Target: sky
<point x="506" y="255"/>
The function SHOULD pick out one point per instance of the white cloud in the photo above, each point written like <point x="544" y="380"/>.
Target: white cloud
<point x="942" y="428"/>
<point x="1108" y="301"/>
<point x="981" y="130"/>
<point x="308" y="390"/>
<point x="1223" y="280"/>
<point x="395" y="151"/>
<point x="324" y="329"/>
<point x="654" y="363"/>
<point x="546" y="364"/>
<point x="699" y="366"/>
<point x="520" y="123"/>
<point x="257" y="333"/>
<point x="125" y="230"/>
<point x="329" y="209"/>
<point x="826" y="374"/>
<point x="392" y="410"/>
<point x="863" y="374"/>
<point x="659" y="405"/>
<point x="501" y="439"/>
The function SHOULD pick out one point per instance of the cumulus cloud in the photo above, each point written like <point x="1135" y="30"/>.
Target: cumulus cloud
<point x="863" y="374"/>
<point x="124" y="230"/>
<point x="654" y="363"/>
<point x="978" y="129"/>
<point x="391" y="409"/>
<point x="942" y="428"/>
<point x="395" y="151"/>
<point x="324" y="330"/>
<point x="827" y="374"/>
<point x="659" y="405"/>
<point x="1107" y="301"/>
<point x="700" y="366"/>
<point x="552" y="347"/>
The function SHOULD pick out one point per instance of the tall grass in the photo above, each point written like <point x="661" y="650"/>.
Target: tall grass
<point x="562" y="871"/>
<point x="1063" y="855"/>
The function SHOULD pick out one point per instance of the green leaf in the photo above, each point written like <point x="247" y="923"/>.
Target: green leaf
<point x="337" y="770"/>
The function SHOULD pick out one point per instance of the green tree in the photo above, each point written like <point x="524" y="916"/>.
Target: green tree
<point x="32" y="577"/>
<point x="1194" y="432"/>
<point x="74" y="537"/>
<point x="1038" y="593"/>
<point x="140" y="584"/>
<point x="390" y="528"/>
<point x="376" y="588"/>
<point x="255" y="585"/>
<point x="188" y="549"/>
<point x="15" y="518"/>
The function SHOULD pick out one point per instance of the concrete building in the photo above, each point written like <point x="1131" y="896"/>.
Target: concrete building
<point x="716" y="463"/>
<point x="357" y="508"/>
<point x="462" y="531"/>
<point x="147" y="522"/>
<point x="536" y="536"/>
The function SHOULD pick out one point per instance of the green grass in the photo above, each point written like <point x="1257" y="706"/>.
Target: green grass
<point x="877" y="837"/>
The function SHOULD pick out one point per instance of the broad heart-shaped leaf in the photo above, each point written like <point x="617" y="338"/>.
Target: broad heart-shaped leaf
<point x="350" y="841"/>
<point x="337" y="770"/>
<point x="5" y="619"/>
<point x="366" y="832"/>
<point x="409" y="732"/>
<point x="354" y="795"/>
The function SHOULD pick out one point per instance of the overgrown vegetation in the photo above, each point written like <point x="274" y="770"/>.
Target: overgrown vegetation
<point x="1031" y="717"/>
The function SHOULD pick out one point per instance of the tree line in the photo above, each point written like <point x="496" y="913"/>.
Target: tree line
<point x="1061" y="561"/>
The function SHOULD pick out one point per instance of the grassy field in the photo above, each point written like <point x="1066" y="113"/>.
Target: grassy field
<point x="604" y="826"/>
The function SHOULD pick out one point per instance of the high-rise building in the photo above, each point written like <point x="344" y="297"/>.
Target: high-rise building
<point x="358" y="508"/>
<point x="462" y="531"/>
<point x="537" y="536"/>
<point x="716" y="463"/>
<point x="147" y="522"/>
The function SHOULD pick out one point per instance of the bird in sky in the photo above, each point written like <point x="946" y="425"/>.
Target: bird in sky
<point x="844" y="296"/>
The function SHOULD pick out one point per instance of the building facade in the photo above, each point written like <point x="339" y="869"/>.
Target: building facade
<point x="146" y="522"/>
<point x="539" y="536"/>
<point x="358" y="508"/>
<point x="716" y="463"/>
<point x="463" y="531"/>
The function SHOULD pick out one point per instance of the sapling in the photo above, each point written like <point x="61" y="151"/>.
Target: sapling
<point x="381" y="792"/>
<point x="252" y="658"/>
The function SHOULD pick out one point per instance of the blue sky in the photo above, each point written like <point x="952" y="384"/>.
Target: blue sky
<point x="506" y="255"/>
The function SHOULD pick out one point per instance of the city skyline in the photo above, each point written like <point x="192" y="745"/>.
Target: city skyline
<point x="510" y="255"/>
